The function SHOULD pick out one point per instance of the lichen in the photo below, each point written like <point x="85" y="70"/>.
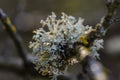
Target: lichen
<point x="54" y="49"/>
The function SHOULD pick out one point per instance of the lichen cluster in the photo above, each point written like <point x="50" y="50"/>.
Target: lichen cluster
<point x="55" y="49"/>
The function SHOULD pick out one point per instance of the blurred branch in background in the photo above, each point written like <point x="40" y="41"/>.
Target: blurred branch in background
<point x="10" y="28"/>
<point x="27" y="66"/>
<point x="94" y="69"/>
<point x="13" y="65"/>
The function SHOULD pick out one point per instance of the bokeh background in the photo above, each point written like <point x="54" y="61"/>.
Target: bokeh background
<point x="26" y="15"/>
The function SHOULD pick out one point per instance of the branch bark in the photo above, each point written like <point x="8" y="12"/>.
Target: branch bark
<point x="105" y="22"/>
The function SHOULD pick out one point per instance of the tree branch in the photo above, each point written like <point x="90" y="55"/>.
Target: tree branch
<point x="28" y="66"/>
<point x="104" y="24"/>
<point x="111" y="9"/>
<point x="11" y="30"/>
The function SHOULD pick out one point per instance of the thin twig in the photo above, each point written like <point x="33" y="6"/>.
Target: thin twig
<point x="10" y="28"/>
<point x="111" y="9"/>
<point x="104" y="24"/>
<point x="28" y="66"/>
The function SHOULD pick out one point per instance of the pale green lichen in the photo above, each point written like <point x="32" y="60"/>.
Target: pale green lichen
<point x="54" y="49"/>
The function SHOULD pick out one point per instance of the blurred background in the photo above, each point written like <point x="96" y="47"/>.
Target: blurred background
<point x="26" y="15"/>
